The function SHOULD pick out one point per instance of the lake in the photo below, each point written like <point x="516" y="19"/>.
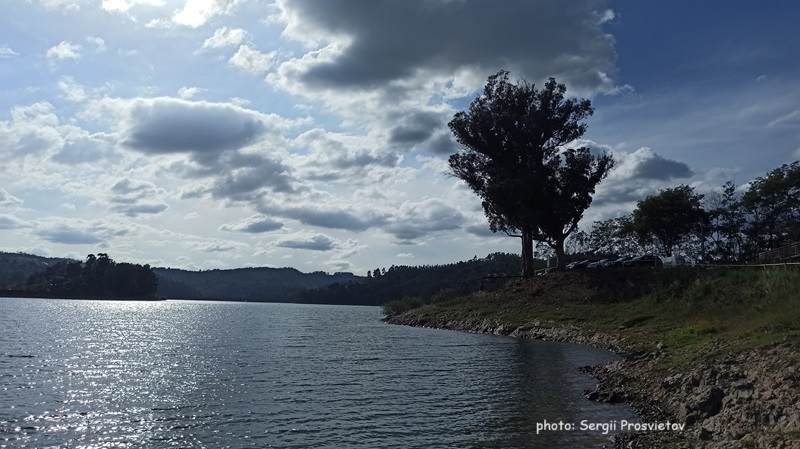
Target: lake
<point x="107" y="374"/>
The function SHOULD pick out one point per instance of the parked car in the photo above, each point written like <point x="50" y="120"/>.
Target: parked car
<point x="602" y="263"/>
<point x="647" y="260"/>
<point x="581" y="264"/>
<point x="620" y="261"/>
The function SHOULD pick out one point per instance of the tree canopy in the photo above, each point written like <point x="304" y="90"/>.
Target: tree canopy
<point x="98" y="276"/>
<point x="514" y="156"/>
<point x="670" y="217"/>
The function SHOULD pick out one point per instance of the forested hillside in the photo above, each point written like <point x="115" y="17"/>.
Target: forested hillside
<point x="290" y="285"/>
<point x="16" y="268"/>
<point x="422" y="282"/>
<point x="243" y="284"/>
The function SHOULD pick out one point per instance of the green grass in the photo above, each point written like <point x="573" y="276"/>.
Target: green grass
<point x="684" y="310"/>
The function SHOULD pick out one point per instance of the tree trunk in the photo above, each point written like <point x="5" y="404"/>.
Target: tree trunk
<point x="527" y="254"/>
<point x="561" y="259"/>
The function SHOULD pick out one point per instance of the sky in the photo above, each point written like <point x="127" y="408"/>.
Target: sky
<point x="205" y="134"/>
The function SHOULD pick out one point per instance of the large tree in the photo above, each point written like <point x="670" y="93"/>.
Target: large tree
<point x="514" y="156"/>
<point x="671" y="216"/>
<point x="773" y="205"/>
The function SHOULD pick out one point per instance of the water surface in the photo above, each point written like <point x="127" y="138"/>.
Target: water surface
<point x="104" y="374"/>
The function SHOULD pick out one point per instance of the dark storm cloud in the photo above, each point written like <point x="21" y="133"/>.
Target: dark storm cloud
<point x="168" y="125"/>
<point x="318" y="242"/>
<point x="393" y="40"/>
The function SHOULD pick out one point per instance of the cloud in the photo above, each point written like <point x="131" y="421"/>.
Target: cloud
<point x="415" y="220"/>
<point x="333" y="156"/>
<point x="255" y="224"/>
<point x="124" y="5"/>
<point x="166" y="125"/>
<point x="33" y="130"/>
<point x="77" y="231"/>
<point x="645" y="163"/>
<point x="324" y="217"/>
<point x="6" y="52"/>
<point x="195" y="13"/>
<point x="404" y="255"/>
<point x="64" y="51"/>
<point x="133" y="198"/>
<point x="540" y="38"/>
<point x="8" y="221"/>
<point x="317" y="242"/>
<point x="80" y="147"/>
<point x="7" y="199"/>
<point x="213" y="245"/>
<point x="791" y="119"/>
<point x="225" y="37"/>
<point x="250" y="60"/>
<point x="98" y="42"/>
<point x="186" y="93"/>
<point x="71" y="89"/>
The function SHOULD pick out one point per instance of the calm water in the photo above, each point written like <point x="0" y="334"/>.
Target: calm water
<point x="95" y="374"/>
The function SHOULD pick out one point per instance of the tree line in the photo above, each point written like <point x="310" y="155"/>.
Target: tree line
<point x="729" y="225"/>
<point x="424" y="282"/>
<point x="97" y="276"/>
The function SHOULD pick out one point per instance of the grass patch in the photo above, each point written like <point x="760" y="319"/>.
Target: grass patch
<point x="683" y="309"/>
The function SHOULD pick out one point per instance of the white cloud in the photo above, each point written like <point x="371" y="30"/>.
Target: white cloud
<point x="250" y="60"/>
<point x="187" y="93"/>
<point x="63" y="5"/>
<point x="195" y="13"/>
<point x="64" y="51"/>
<point x="124" y="5"/>
<point x="254" y="224"/>
<point x="98" y="42"/>
<point x="7" y="199"/>
<point x="6" y="52"/>
<point x="792" y="118"/>
<point x="71" y="89"/>
<point x="225" y="37"/>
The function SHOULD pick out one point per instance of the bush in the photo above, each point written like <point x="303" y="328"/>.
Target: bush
<point x="399" y="306"/>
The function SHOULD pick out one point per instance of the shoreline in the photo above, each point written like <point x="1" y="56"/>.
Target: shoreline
<point x="744" y="399"/>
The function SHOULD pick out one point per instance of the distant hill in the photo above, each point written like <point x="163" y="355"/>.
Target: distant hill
<point x="423" y="282"/>
<point x="16" y="268"/>
<point x="243" y="284"/>
<point x="290" y="285"/>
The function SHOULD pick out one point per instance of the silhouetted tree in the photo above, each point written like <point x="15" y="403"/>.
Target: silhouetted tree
<point x="514" y="158"/>
<point x="671" y="216"/>
<point x="773" y="205"/>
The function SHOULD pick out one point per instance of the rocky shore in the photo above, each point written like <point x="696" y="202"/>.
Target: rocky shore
<point x="743" y="399"/>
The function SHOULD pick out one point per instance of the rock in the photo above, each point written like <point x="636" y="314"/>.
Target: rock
<point x="712" y="403"/>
